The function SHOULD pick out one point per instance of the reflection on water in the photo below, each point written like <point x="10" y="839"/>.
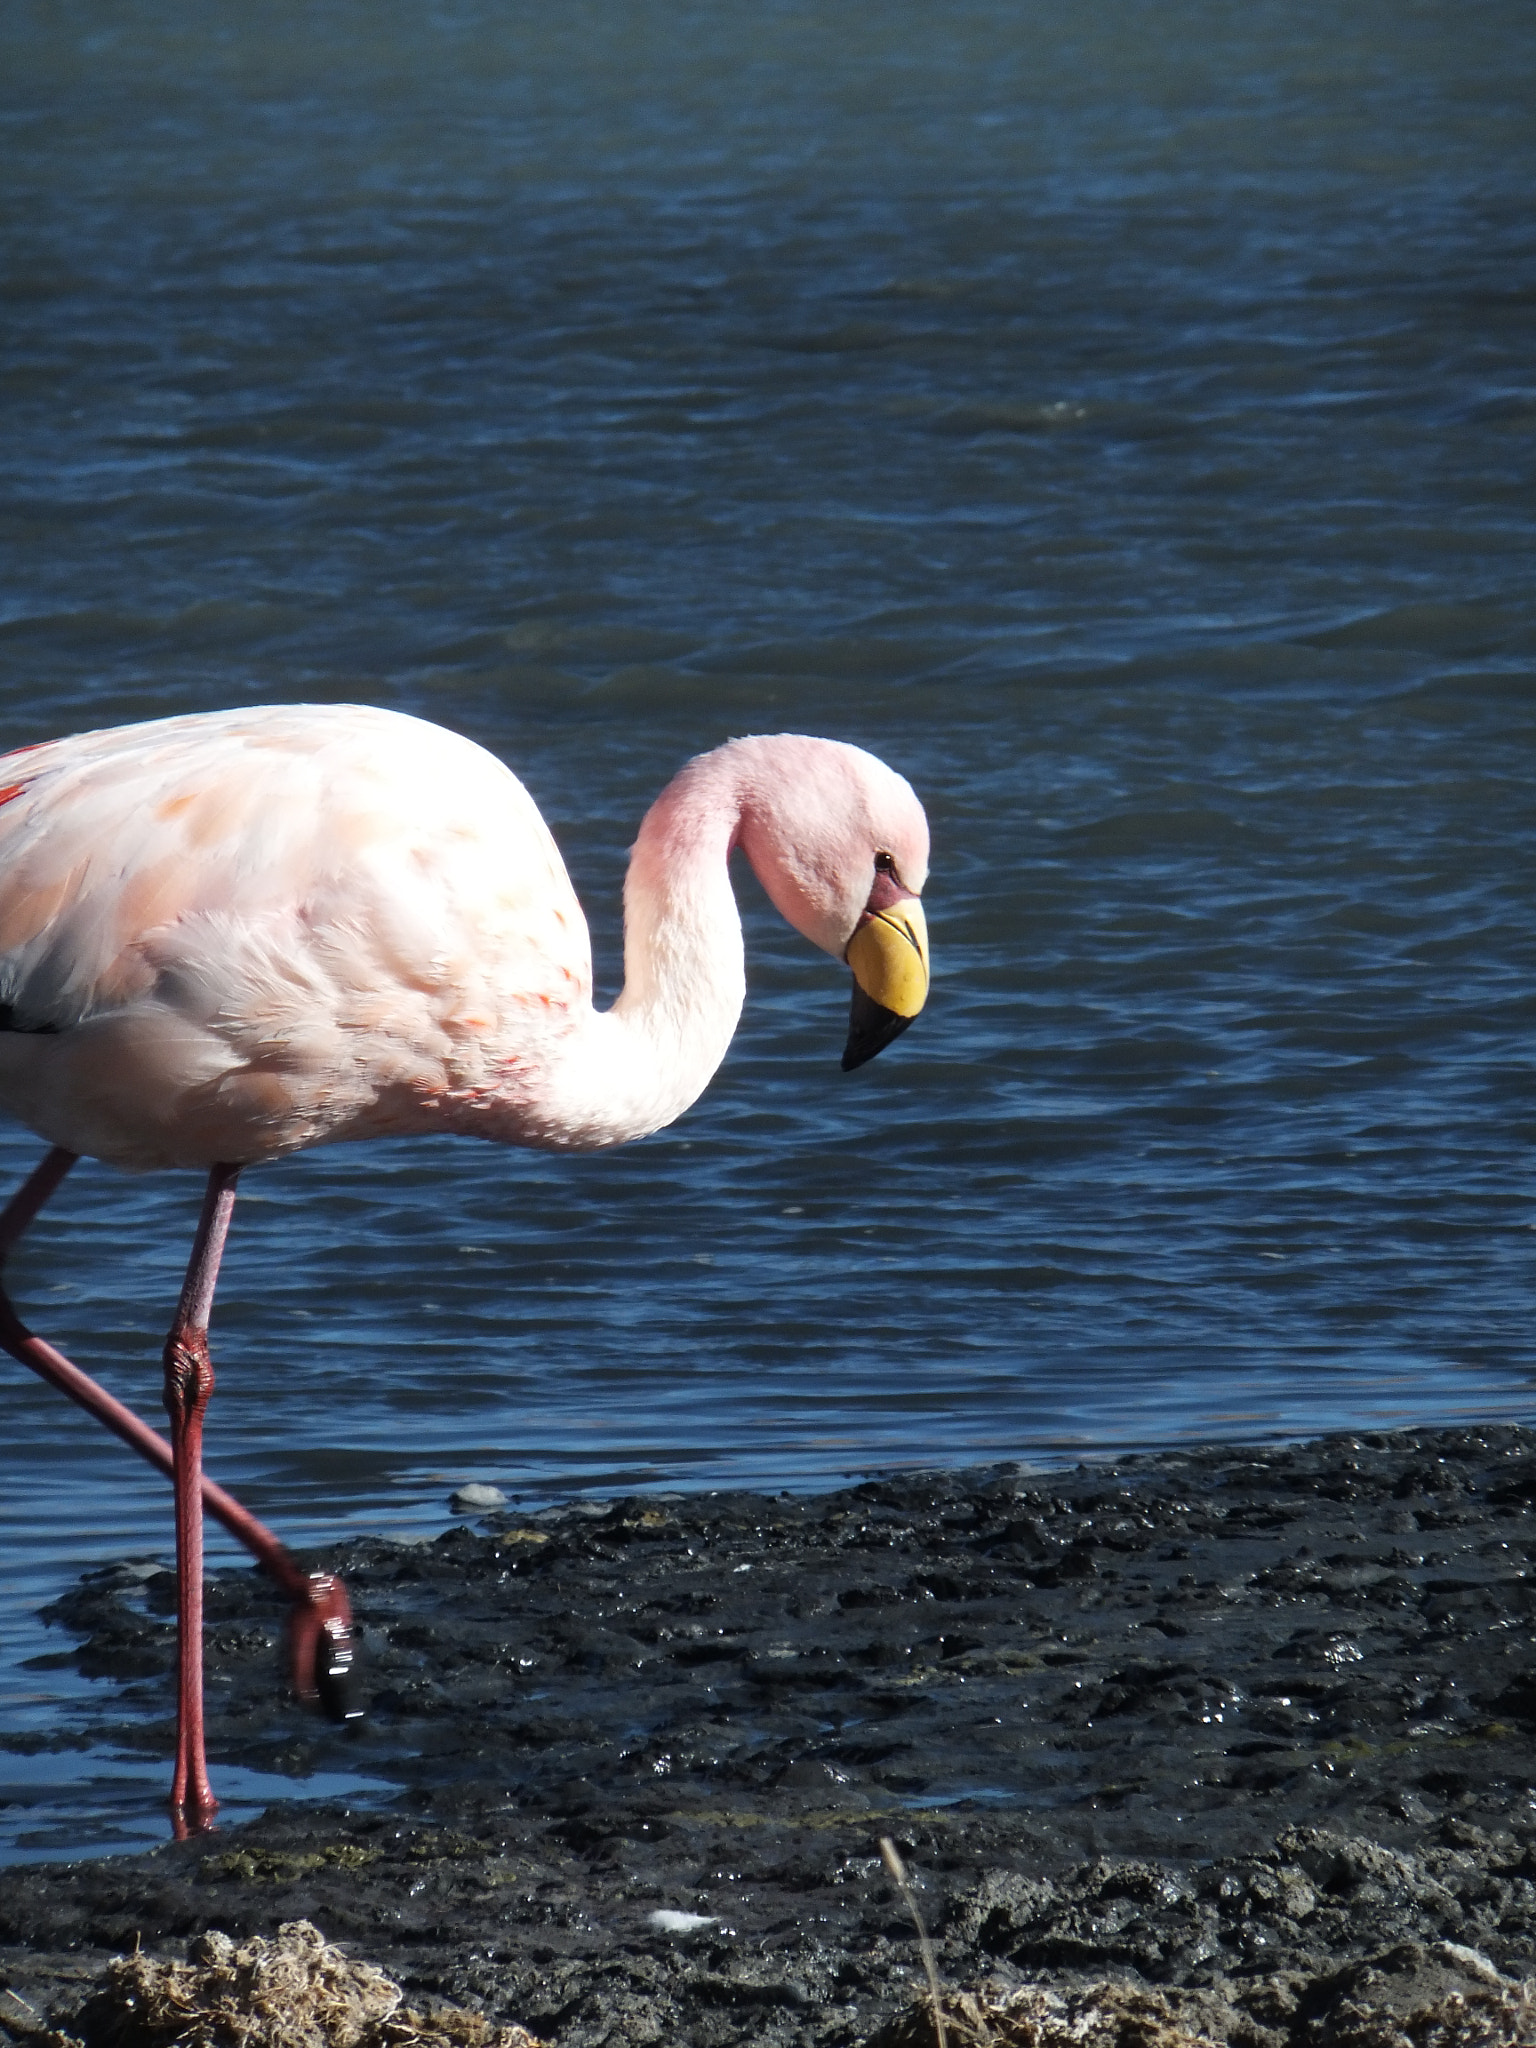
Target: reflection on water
<point x="59" y="1807"/>
<point x="1122" y="424"/>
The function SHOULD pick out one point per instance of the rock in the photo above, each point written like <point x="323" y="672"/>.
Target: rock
<point x="475" y="1499"/>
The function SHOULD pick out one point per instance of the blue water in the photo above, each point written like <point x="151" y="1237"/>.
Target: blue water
<point x="1123" y="421"/>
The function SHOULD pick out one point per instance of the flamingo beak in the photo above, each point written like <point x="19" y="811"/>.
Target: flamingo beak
<point x="889" y="957"/>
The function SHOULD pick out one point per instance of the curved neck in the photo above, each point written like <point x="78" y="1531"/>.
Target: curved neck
<point x="631" y="1070"/>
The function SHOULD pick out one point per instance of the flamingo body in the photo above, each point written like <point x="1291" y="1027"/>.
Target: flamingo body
<point x="230" y="936"/>
<point x="226" y="937"/>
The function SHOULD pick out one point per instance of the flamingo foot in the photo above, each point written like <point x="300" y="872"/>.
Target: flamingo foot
<point x="323" y="1650"/>
<point x="188" y="1819"/>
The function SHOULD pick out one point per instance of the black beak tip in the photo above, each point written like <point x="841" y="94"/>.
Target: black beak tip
<point x="871" y="1027"/>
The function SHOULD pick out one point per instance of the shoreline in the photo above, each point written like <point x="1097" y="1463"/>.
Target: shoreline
<point x="1222" y="1721"/>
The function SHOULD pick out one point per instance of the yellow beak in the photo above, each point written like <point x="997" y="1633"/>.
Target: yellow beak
<point x="889" y="957"/>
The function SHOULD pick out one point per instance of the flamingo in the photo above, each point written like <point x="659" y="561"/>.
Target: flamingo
<point x="228" y="936"/>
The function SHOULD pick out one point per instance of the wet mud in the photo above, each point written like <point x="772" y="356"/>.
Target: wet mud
<point x="1251" y="1728"/>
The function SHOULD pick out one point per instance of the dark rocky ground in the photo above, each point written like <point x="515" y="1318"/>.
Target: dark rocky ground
<point x="1257" y="1724"/>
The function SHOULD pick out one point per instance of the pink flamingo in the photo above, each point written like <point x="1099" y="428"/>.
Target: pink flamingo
<point x="226" y="937"/>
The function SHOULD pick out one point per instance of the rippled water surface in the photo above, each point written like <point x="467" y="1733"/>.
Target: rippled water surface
<point x="1120" y="419"/>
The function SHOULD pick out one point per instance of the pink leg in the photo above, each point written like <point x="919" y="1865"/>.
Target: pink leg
<point x="320" y="1635"/>
<point x="188" y="1384"/>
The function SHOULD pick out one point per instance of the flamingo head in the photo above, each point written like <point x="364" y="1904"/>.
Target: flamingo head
<point x="840" y="843"/>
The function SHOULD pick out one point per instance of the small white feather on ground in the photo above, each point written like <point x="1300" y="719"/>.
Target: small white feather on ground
<point x="667" y="1921"/>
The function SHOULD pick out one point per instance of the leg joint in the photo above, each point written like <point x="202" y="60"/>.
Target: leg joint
<point x="188" y="1373"/>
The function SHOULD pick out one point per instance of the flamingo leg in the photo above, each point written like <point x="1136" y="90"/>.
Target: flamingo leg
<point x="188" y="1385"/>
<point x="320" y="1623"/>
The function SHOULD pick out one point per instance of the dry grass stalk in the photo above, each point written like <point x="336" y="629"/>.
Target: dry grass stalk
<point x="897" y="1872"/>
<point x="295" y="1991"/>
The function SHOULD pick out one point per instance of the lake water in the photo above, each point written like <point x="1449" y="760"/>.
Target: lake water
<point x="1122" y="420"/>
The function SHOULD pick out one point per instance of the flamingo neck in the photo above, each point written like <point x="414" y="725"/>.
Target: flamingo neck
<point x="631" y="1070"/>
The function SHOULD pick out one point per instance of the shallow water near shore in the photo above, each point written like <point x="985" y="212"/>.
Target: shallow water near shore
<point x="1123" y="427"/>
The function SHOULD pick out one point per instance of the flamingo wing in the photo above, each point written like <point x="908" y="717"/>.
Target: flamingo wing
<point x="227" y="936"/>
